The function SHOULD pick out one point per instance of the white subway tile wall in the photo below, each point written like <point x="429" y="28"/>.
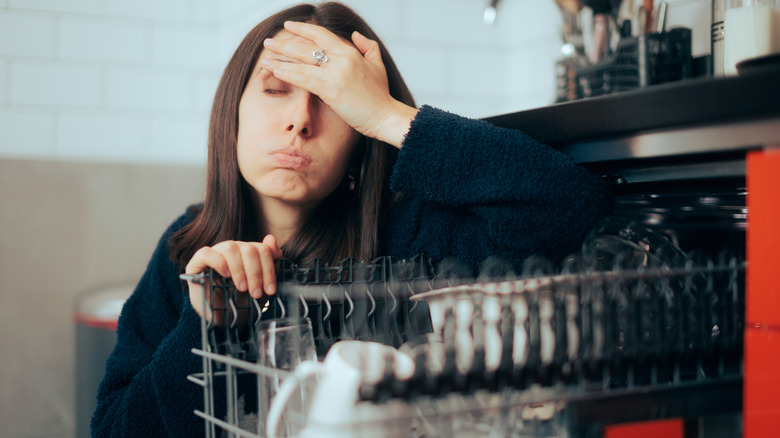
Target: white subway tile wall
<point x="5" y="82"/>
<point x="50" y="84"/>
<point x="152" y="90"/>
<point x="88" y="135"/>
<point x="168" y="10"/>
<point x="95" y="39"/>
<point x="172" y="137"/>
<point x="183" y="46"/>
<point x="204" y="11"/>
<point x="89" y="7"/>
<point x="111" y="80"/>
<point x="27" y="132"/>
<point x="24" y="35"/>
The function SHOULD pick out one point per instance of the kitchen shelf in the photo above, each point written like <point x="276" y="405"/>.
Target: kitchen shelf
<point x="673" y="106"/>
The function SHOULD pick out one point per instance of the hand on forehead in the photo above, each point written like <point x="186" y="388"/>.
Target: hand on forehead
<point x="289" y="41"/>
<point x="299" y="41"/>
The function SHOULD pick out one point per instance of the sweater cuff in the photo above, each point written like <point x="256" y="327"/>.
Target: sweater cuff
<point x="413" y="146"/>
<point x="444" y="153"/>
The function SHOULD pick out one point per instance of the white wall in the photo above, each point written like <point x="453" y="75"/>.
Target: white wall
<point x="132" y="81"/>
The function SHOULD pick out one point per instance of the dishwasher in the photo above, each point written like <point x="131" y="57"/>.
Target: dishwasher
<point x="643" y="329"/>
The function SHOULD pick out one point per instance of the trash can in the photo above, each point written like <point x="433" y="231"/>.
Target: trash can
<point x="96" y="314"/>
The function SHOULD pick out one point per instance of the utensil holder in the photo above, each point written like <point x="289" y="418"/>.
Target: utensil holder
<point x="638" y="62"/>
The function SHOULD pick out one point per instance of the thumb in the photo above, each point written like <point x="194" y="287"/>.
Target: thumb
<point x="368" y="48"/>
<point x="270" y="241"/>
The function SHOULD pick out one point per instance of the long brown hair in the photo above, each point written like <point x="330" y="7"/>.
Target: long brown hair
<point x="346" y="223"/>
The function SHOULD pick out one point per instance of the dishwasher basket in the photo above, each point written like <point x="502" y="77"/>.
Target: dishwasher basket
<point x="624" y="331"/>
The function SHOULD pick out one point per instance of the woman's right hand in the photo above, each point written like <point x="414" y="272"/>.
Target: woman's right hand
<point x="353" y="82"/>
<point x="249" y="264"/>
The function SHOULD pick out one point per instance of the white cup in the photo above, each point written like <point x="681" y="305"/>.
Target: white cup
<point x="751" y="29"/>
<point x="335" y="410"/>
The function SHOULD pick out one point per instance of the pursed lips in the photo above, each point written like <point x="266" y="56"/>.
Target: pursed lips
<point x="290" y="158"/>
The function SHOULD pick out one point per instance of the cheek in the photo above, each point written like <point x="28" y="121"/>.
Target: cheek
<point x="348" y="140"/>
<point x="346" y="137"/>
<point x="253" y="129"/>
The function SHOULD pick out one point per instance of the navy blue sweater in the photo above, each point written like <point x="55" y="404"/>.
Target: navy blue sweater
<point x="473" y="191"/>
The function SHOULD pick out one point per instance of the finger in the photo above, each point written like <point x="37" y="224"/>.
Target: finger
<point x="292" y="49"/>
<point x="371" y="53"/>
<point x="308" y="77"/>
<point x="232" y="253"/>
<point x="322" y="37"/>
<point x="207" y="257"/>
<point x="253" y="269"/>
<point x="269" y="269"/>
<point x="368" y="48"/>
<point x="271" y="242"/>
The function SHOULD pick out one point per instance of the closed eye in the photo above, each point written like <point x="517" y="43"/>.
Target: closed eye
<point x="274" y="92"/>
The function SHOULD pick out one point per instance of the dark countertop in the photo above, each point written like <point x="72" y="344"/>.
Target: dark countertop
<point x="694" y="102"/>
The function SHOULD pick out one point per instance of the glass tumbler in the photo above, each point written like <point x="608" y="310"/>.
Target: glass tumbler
<point x="282" y="345"/>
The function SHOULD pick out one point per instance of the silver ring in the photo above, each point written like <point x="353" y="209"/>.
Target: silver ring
<point x="320" y="57"/>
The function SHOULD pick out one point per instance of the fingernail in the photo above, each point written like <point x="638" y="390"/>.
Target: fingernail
<point x="265" y="63"/>
<point x="268" y="42"/>
<point x="242" y="285"/>
<point x="270" y="289"/>
<point x="257" y="293"/>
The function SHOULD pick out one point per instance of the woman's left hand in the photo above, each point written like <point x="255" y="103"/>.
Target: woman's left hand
<point x="352" y="82"/>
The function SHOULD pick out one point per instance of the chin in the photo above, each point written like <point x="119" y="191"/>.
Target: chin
<point x="290" y="195"/>
<point x="290" y="190"/>
<point x="284" y="187"/>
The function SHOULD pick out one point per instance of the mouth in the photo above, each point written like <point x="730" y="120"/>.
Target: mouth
<point x="290" y="159"/>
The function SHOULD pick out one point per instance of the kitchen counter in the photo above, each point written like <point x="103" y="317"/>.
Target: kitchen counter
<point x="680" y="118"/>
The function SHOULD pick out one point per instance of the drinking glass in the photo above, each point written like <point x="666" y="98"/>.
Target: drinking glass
<point x="282" y="345"/>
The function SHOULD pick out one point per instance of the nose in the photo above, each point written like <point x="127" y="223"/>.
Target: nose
<point x="302" y="108"/>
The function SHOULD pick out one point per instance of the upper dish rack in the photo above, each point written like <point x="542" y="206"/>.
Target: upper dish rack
<point x="629" y="315"/>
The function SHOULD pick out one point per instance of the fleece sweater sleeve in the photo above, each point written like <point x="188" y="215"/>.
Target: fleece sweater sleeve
<point x="474" y="190"/>
<point x="145" y="391"/>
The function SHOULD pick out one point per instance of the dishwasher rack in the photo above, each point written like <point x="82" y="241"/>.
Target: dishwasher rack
<point x="380" y="312"/>
<point x="617" y="333"/>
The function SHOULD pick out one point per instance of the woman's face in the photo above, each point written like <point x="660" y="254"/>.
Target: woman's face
<point x="291" y="146"/>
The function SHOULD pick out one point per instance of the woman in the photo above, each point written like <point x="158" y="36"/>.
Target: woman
<point x="316" y="150"/>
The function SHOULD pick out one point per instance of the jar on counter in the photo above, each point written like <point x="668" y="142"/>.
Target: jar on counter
<point x="751" y="29"/>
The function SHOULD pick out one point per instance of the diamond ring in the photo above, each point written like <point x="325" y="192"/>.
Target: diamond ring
<point x="320" y="57"/>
